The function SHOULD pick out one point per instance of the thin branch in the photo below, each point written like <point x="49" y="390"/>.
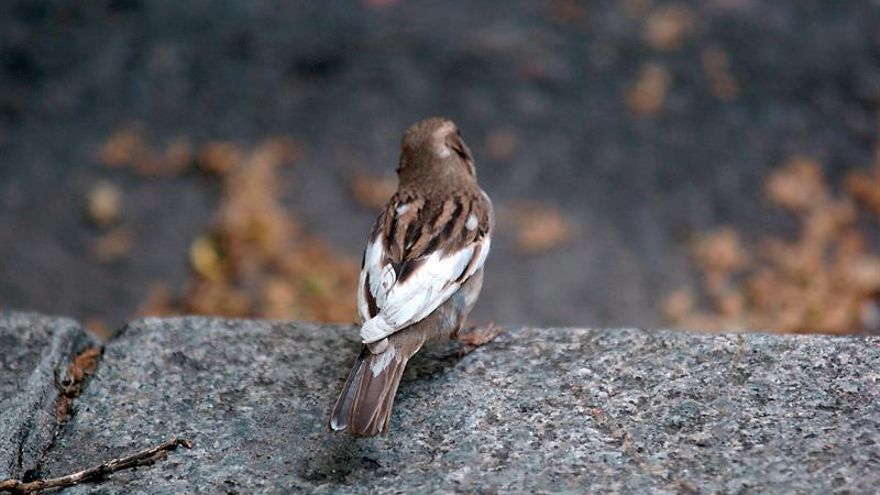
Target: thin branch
<point x="140" y="458"/>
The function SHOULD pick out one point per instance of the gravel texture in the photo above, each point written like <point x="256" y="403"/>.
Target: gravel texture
<point x="32" y="349"/>
<point x="537" y="410"/>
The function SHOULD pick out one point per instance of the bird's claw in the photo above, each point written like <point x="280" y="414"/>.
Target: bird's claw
<point x="476" y="337"/>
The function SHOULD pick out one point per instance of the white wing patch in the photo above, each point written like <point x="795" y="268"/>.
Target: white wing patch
<point x="472" y="222"/>
<point x="372" y="260"/>
<point x="429" y="286"/>
<point x="388" y="278"/>
<point x="384" y="360"/>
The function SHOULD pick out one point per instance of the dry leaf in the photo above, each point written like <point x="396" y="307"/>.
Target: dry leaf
<point x="204" y="256"/>
<point x="797" y="185"/>
<point x="122" y="147"/>
<point x="648" y="95"/>
<point x="159" y="302"/>
<point x="567" y="11"/>
<point x="128" y="148"/>
<point x="103" y="204"/>
<point x="716" y="68"/>
<point x="677" y="305"/>
<point x="825" y="280"/>
<point x="667" y="26"/>
<point x="371" y="191"/>
<point x="501" y="144"/>
<point x="255" y="261"/>
<point x="719" y="251"/>
<point x="114" y="245"/>
<point x="97" y="327"/>
<point x="219" y="158"/>
<point x="540" y="227"/>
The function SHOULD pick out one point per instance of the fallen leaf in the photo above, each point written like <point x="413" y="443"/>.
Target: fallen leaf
<point x="540" y="227"/>
<point x="114" y="245"/>
<point x="103" y="204"/>
<point x="667" y="26"/>
<point x="648" y="95"/>
<point x="371" y="191"/>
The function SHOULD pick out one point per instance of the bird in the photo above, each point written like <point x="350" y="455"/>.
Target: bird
<point x="422" y="270"/>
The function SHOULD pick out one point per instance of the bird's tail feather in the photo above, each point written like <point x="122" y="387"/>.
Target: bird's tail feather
<point x="364" y="406"/>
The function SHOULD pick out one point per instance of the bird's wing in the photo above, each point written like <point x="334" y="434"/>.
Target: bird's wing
<point x="420" y="253"/>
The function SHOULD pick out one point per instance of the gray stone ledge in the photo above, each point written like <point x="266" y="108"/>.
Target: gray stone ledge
<point x="32" y="348"/>
<point x="548" y="410"/>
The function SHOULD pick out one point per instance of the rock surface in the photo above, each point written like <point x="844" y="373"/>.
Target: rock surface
<point x="546" y="410"/>
<point x="32" y="349"/>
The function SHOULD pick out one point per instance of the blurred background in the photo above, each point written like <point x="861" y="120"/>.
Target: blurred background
<point x="705" y="165"/>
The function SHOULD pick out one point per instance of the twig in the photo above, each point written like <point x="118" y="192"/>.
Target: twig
<point x="140" y="458"/>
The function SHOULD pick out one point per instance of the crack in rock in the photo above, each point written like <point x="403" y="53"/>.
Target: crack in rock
<point x="29" y="422"/>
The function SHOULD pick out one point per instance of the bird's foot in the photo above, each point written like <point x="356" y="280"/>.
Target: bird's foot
<point x="475" y="337"/>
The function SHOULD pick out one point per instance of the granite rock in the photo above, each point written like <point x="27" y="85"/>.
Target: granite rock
<point x="33" y="348"/>
<point x="537" y="410"/>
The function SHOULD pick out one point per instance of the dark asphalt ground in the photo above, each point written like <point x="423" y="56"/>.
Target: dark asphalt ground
<point x="344" y="79"/>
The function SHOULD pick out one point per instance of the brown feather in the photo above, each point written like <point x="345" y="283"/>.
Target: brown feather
<point x="364" y="407"/>
<point x="375" y="398"/>
<point x="430" y="224"/>
<point x="365" y="404"/>
<point x="339" y="418"/>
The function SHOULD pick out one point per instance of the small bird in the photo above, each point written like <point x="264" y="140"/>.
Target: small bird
<point x="422" y="269"/>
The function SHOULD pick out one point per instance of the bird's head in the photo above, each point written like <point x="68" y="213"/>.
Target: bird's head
<point x="434" y="148"/>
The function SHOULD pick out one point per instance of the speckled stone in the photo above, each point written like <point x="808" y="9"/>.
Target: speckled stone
<point x="32" y="348"/>
<point x="538" y="410"/>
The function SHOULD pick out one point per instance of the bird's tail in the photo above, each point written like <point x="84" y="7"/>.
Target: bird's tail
<point x="364" y="406"/>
